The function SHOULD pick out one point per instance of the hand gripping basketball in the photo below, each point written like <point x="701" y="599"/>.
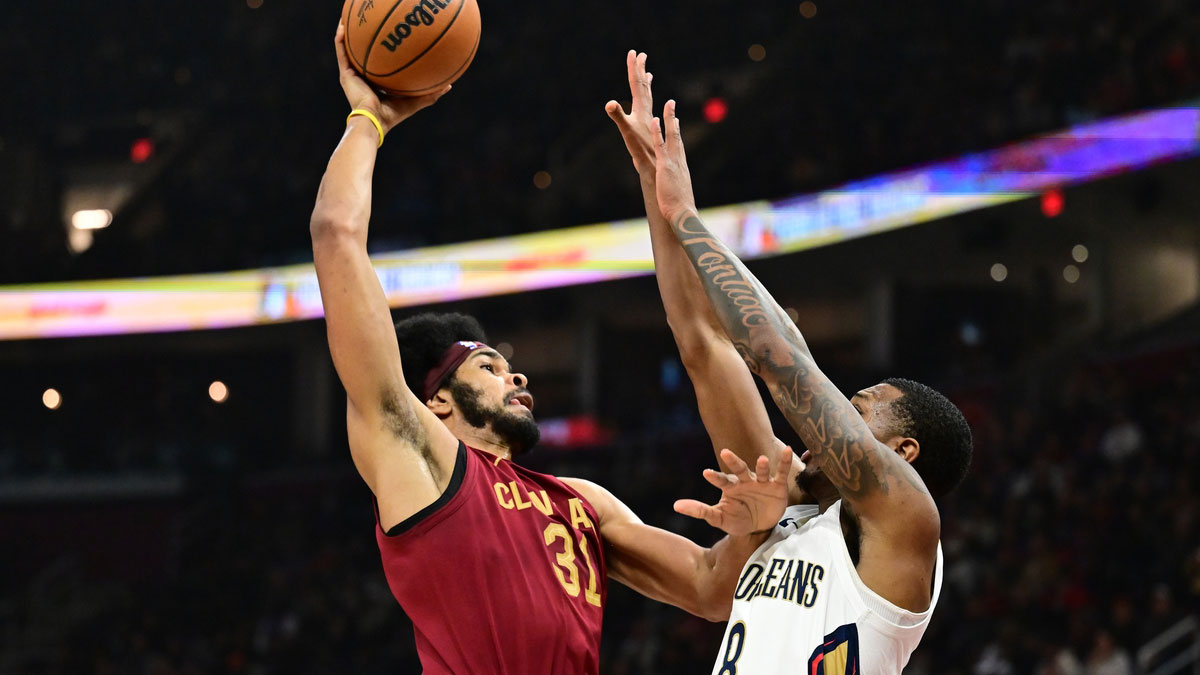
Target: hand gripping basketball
<point x="391" y="110"/>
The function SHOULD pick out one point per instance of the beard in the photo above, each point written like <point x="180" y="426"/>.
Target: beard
<point x="815" y="484"/>
<point x="519" y="432"/>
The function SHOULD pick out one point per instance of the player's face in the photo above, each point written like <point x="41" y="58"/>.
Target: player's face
<point x="872" y="404"/>
<point x="499" y="387"/>
<point x="489" y="395"/>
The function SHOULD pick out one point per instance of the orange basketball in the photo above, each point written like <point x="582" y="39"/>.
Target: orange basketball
<point x="411" y="47"/>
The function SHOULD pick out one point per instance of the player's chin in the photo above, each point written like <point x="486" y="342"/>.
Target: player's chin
<point x="810" y="477"/>
<point x="519" y="410"/>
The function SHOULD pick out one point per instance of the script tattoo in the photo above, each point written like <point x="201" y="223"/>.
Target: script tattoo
<point x="831" y="428"/>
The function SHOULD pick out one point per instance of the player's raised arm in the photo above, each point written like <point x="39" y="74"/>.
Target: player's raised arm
<point x="673" y="569"/>
<point x="886" y="494"/>
<point x="729" y="402"/>
<point x="400" y="448"/>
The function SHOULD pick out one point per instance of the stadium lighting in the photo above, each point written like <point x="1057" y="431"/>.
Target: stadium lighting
<point x="1052" y="203"/>
<point x="91" y="219"/>
<point x="716" y="109"/>
<point x="141" y="150"/>
<point x="51" y="399"/>
<point x="218" y="392"/>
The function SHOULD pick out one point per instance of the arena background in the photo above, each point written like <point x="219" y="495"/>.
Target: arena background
<point x="146" y="528"/>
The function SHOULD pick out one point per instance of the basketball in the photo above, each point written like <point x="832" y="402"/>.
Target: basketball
<point x="411" y="47"/>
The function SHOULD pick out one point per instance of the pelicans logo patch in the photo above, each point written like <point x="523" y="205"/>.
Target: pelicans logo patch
<point x="837" y="654"/>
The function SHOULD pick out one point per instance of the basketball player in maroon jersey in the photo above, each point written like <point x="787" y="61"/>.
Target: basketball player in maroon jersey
<point x="501" y="569"/>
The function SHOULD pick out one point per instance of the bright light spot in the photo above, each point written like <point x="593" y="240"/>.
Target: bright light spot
<point x="218" y="392"/>
<point x="757" y="52"/>
<point x="91" y="219"/>
<point x="51" y="399"/>
<point x="1079" y="253"/>
<point x="792" y="314"/>
<point x="141" y="150"/>
<point x="542" y="180"/>
<point x="1052" y="203"/>
<point x="999" y="272"/>
<point x="808" y="9"/>
<point x="505" y="350"/>
<point x="79" y="240"/>
<point x="1071" y="274"/>
<point x="715" y="110"/>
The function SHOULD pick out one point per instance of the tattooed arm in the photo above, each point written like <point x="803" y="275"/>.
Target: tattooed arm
<point x="730" y="406"/>
<point x="897" y="517"/>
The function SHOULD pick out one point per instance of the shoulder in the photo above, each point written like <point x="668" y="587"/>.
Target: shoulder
<point x="608" y="508"/>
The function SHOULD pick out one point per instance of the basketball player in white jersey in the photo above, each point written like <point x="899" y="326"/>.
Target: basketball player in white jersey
<point x="847" y="582"/>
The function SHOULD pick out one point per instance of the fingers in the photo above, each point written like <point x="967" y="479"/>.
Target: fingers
<point x="339" y="44"/>
<point x="616" y="113"/>
<point x="699" y="510"/>
<point x="644" y="97"/>
<point x="784" y="470"/>
<point x="762" y="470"/>
<point x="660" y="148"/>
<point x="639" y="83"/>
<point x="641" y="88"/>
<point x="720" y="480"/>
<point x="736" y="466"/>
<point x="672" y="136"/>
<point x="635" y="68"/>
<point x="427" y="100"/>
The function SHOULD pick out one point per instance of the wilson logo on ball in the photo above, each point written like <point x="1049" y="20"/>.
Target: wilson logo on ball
<point x="422" y="15"/>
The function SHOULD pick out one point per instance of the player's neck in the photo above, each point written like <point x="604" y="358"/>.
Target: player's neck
<point x="479" y="438"/>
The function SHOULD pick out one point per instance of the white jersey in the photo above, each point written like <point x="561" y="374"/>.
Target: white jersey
<point x="800" y="607"/>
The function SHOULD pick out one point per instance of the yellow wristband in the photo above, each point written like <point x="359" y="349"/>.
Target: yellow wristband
<point x="371" y="116"/>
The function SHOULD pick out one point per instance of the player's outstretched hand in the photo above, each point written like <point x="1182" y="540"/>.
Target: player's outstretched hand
<point x="391" y="110"/>
<point x="750" y="502"/>
<point x="673" y="182"/>
<point x="635" y="127"/>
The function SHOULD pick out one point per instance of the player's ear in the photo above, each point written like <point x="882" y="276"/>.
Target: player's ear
<point x="441" y="404"/>
<point x="906" y="447"/>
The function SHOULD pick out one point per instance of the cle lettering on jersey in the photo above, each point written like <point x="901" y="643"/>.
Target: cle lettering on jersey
<point x="514" y="496"/>
<point x="789" y="580"/>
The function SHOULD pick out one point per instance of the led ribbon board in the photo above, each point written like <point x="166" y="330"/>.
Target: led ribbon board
<point x="601" y="252"/>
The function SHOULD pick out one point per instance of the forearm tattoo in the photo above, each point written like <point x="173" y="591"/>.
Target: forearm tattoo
<point x="773" y="349"/>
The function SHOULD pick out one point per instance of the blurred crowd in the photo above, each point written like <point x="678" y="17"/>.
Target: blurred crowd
<point x="1072" y="543"/>
<point x="241" y="100"/>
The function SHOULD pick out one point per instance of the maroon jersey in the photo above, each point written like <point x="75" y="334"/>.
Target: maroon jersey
<point x="504" y="573"/>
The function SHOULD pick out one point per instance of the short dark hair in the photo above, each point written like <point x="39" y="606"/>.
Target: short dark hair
<point x="424" y="338"/>
<point x="939" y="426"/>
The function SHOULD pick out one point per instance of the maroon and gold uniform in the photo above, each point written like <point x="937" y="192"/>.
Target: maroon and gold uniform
<point x="504" y="573"/>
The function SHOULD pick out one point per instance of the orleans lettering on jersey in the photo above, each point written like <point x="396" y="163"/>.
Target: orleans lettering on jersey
<point x="784" y="579"/>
